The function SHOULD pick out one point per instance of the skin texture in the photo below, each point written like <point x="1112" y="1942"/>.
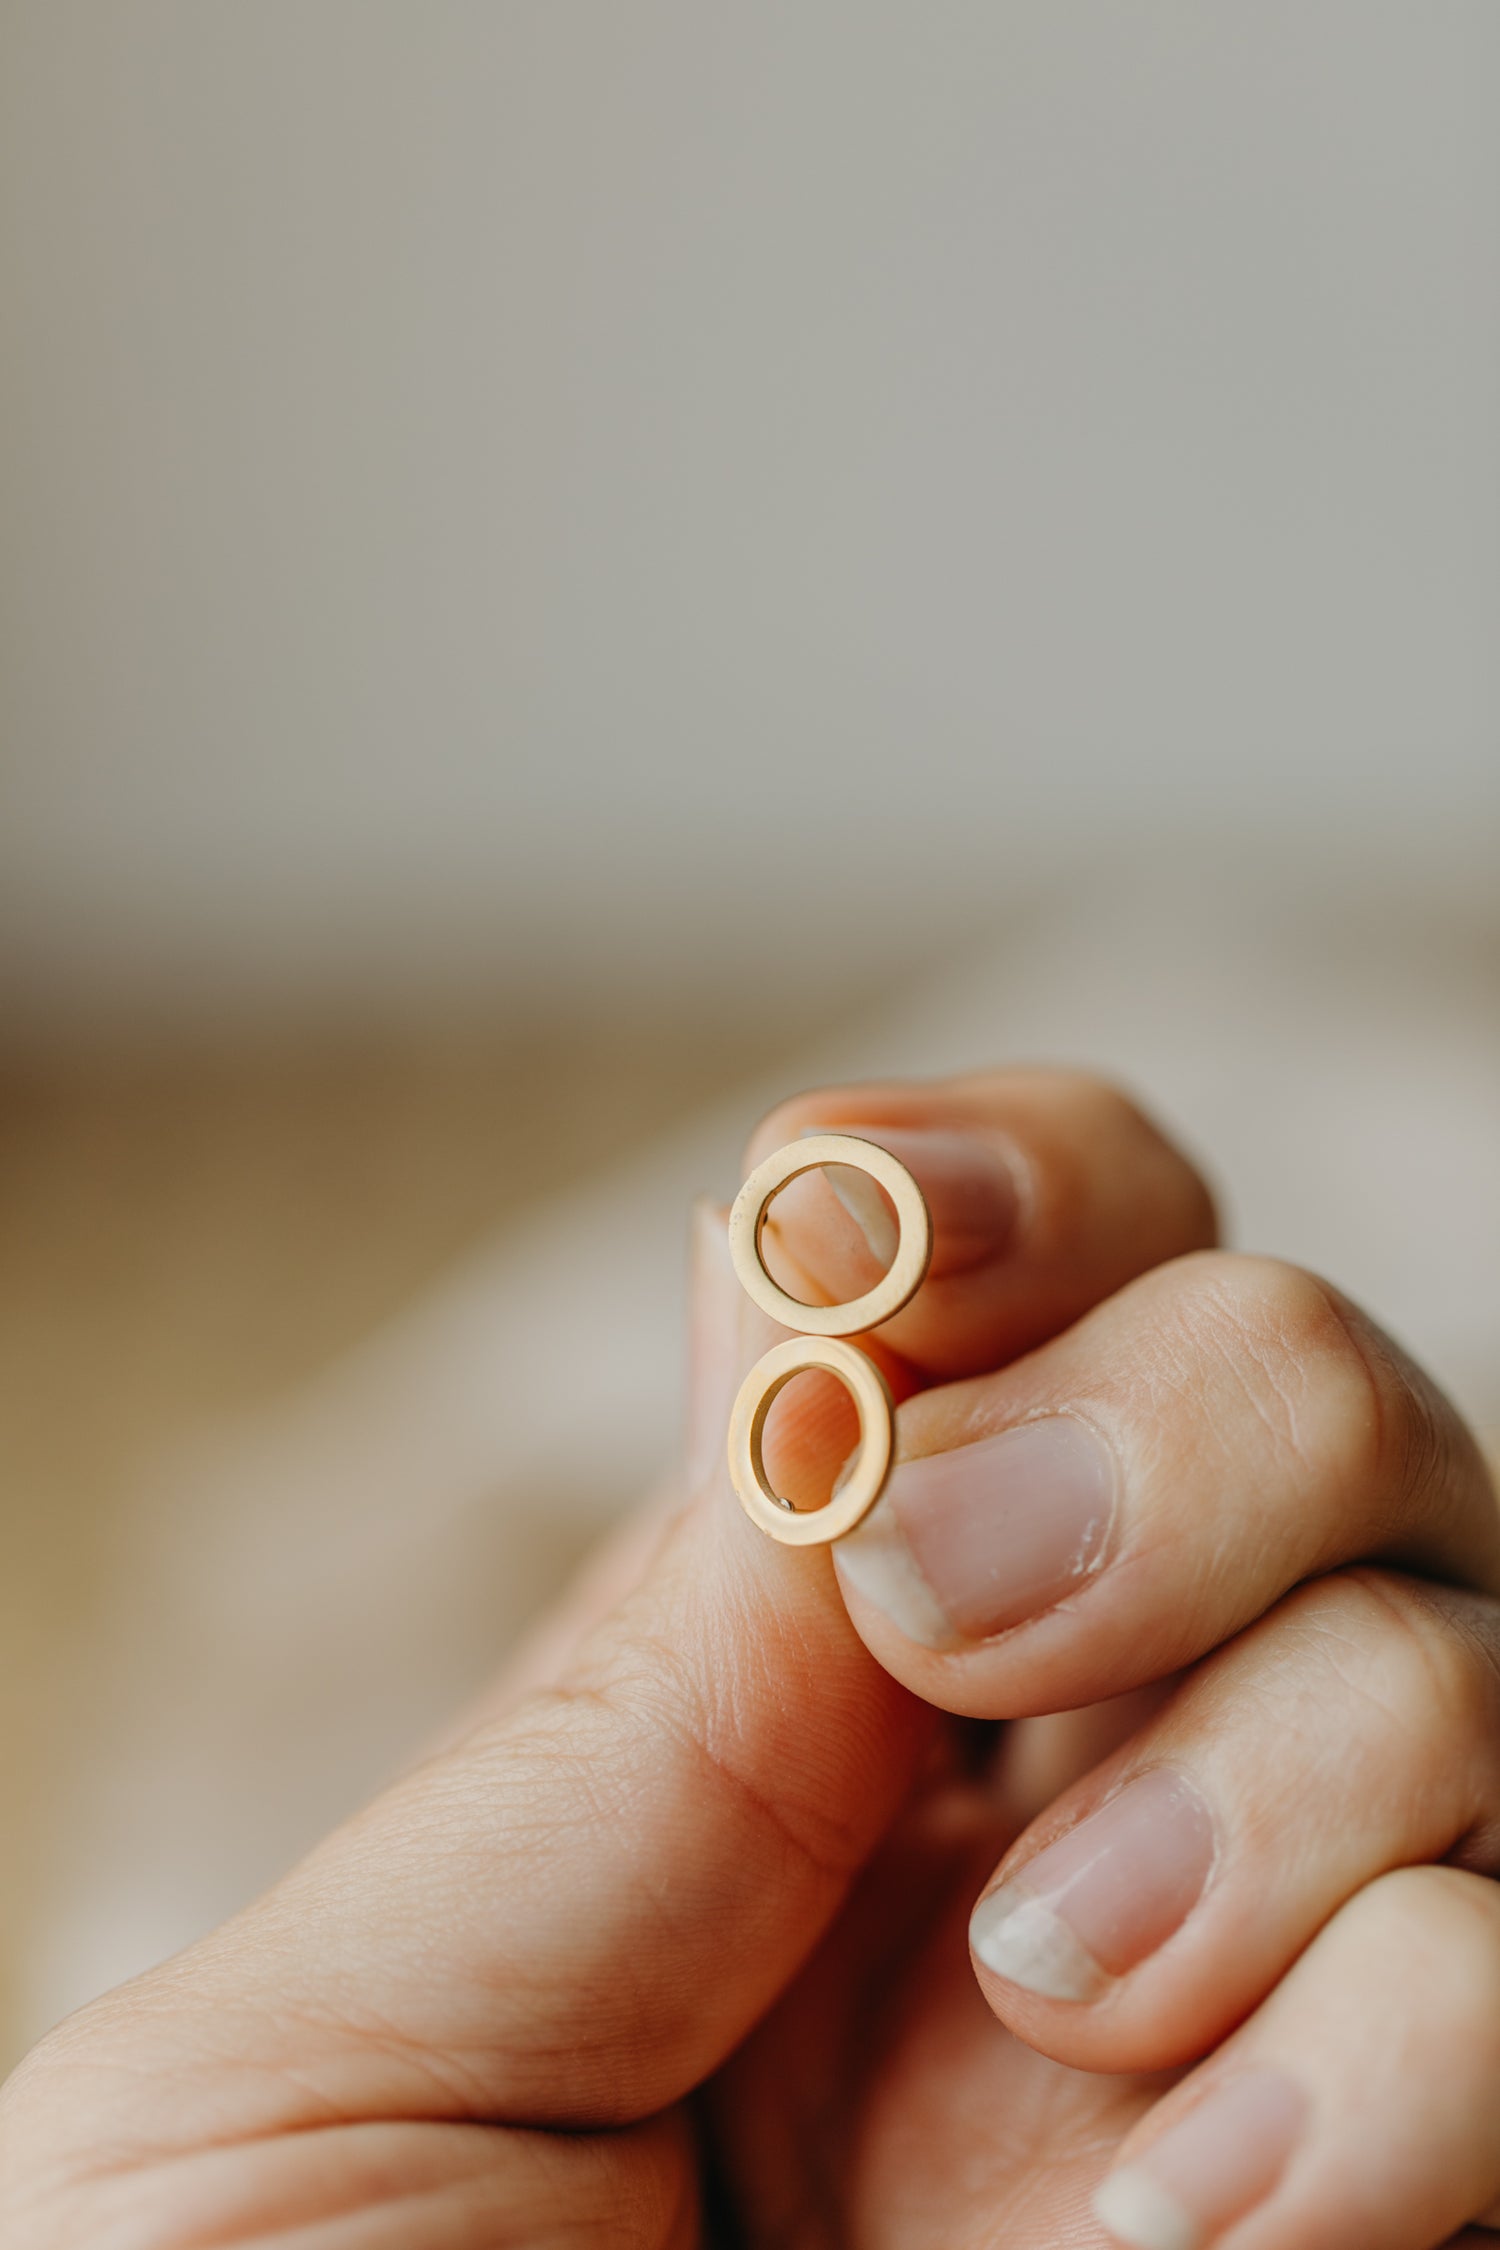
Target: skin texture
<point x="667" y="1941"/>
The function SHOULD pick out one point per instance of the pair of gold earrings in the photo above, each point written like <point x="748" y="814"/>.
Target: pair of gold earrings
<point x="817" y="1345"/>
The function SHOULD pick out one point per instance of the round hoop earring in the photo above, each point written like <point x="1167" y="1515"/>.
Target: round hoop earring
<point x="811" y="1527"/>
<point x="913" y="1243"/>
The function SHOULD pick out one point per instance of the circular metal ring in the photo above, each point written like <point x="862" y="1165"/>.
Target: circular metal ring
<point x="857" y="1495"/>
<point x="913" y="1242"/>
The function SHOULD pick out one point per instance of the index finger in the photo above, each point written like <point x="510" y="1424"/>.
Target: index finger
<point x="1049" y="1190"/>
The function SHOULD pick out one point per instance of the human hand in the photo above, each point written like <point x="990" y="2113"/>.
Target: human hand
<point x="677" y="1922"/>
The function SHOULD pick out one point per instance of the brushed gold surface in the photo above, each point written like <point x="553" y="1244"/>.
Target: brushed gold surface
<point x="817" y="1346"/>
<point x="895" y="1288"/>
<point x="861" y="1487"/>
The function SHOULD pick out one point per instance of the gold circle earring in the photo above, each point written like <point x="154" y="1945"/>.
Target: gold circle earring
<point x="817" y="1346"/>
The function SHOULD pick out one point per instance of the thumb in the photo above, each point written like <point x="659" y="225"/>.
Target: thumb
<point x="573" y="1914"/>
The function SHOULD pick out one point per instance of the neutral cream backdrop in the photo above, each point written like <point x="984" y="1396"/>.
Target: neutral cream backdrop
<point x="475" y="475"/>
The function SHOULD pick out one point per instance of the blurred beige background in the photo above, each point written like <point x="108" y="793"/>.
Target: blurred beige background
<point x="565" y="567"/>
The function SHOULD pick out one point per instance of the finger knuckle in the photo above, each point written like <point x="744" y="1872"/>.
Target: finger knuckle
<point x="1284" y="1343"/>
<point x="651" y="1723"/>
<point x="1417" y="1439"/>
<point x="1406" y="1654"/>
<point x="1103" y="1112"/>
<point x="1435" y="1931"/>
<point x="1166" y="1184"/>
<point x="1102" y="1102"/>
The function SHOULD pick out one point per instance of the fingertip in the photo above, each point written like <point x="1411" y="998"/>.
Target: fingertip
<point x="714" y="1343"/>
<point x="875" y="1564"/>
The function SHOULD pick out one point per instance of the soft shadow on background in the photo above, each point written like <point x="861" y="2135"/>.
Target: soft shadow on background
<point x="565" y="569"/>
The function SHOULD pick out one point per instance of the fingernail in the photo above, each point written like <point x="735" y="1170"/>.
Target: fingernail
<point x="868" y="1209"/>
<point x="1207" y="2170"/>
<point x="1101" y="1898"/>
<point x="969" y="1183"/>
<point x="967" y="1543"/>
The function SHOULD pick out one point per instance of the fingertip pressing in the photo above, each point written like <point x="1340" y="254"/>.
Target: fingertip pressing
<point x="876" y="1561"/>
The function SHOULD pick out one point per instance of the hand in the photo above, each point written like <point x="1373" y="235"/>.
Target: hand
<point x="676" y="1924"/>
